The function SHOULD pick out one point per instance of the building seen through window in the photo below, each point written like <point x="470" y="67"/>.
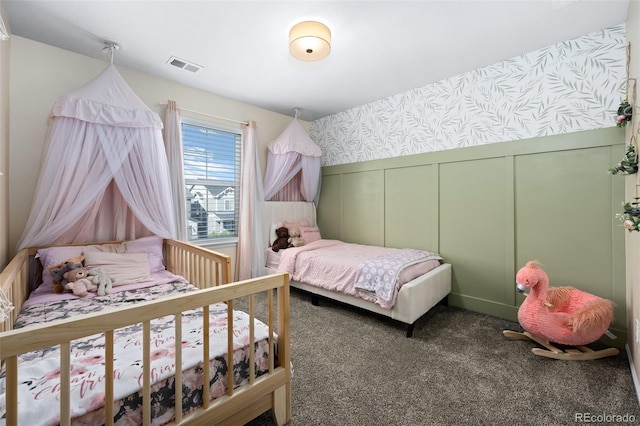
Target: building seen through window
<point x="212" y="178"/>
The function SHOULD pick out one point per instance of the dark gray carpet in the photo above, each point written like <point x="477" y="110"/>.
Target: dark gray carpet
<point x="356" y="368"/>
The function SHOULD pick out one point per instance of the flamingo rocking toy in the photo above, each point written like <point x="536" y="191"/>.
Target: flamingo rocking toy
<point x="563" y="315"/>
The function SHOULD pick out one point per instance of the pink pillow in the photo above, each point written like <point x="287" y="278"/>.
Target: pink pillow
<point x="52" y="256"/>
<point x="310" y="234"/>
<point x="150" y="245"/>
<point x="298" y="223"/>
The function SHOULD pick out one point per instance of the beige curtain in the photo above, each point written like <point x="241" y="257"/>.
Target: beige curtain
<point x="251" y="247"/>
<point x="173" y="146"/>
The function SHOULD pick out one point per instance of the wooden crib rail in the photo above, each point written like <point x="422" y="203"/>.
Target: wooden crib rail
<point x="202" y="267"/>
<point x="272" y="389"/>
<point x="13" y="284"/>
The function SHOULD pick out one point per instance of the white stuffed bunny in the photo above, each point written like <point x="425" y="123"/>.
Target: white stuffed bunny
<point x="294" y="238"/>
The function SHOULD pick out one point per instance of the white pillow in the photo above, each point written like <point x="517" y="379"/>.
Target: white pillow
<point x="272" y="232"/>
<point x="125" y="268"/>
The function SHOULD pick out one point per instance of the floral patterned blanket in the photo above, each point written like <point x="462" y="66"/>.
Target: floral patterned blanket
<point x="379" y="275"/>
<point x="38" y="373"/>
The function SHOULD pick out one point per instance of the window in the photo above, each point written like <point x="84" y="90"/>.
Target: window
<point x="212" y="179"/>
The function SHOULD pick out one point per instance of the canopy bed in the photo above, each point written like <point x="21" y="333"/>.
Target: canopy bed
<point x="102" y="359"/>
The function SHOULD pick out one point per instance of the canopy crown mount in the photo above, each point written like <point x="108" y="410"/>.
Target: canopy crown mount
<point x="110" y="47"/>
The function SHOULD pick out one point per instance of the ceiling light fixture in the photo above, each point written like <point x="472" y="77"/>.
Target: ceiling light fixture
<point x="310" y="41"/>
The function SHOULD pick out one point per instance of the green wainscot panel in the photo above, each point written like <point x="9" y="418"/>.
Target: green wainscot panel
<point x="472" y="227"/>
<point x="329" y="208"/>
<point x="363" y="208"/>
<point x="411" y="208"/>
<point x="564" y="217"/>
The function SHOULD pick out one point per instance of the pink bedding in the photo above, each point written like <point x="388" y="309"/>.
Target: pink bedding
<point x="333" y="265"/>
<point x="43" y="294"/>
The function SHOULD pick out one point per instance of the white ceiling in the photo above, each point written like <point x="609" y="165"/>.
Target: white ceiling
<point x="379" y="48"/>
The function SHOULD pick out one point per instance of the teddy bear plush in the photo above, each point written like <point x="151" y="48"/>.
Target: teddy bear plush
<point x="294" y="238"/>
<point x="57" y="272"/>
<point x="282" y="242"/>
<point x="78" y="282"/>
<point x="101" y="280"/>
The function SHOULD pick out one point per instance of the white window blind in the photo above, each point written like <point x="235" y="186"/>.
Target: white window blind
<point x="212" y="179"/>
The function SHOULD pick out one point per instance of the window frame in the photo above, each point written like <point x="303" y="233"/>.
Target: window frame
<point x="215" y="241"/>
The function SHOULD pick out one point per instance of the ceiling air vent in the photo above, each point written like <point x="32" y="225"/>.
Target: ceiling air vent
<point x="185" y="65"/>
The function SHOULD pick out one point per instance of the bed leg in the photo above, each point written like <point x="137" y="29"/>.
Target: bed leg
<point x="410" y="330"/>
<point x="315" y="300"/>
<point x="281" y="405"/>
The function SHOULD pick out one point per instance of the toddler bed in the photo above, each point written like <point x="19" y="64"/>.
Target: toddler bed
<point x="330" y="268"/>
<point x="64" y="356"/>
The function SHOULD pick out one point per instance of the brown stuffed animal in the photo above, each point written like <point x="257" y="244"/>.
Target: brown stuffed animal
<point x="79" y="283"/>
<point x="282" y="242"/>
<point x="57" y="272"/>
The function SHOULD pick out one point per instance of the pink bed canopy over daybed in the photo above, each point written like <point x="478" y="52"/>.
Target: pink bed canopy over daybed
<point x="293" y="166"/>
<point x="104" y="174"/>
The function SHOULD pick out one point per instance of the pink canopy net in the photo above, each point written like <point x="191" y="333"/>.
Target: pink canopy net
<point x="293" y="166"/>
<point x="104" y="174"/>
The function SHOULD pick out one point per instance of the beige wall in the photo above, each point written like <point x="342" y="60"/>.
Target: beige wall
<point x="41" y="73"/>
<point x="5" y="49"/>
<point x="633" y="239"/>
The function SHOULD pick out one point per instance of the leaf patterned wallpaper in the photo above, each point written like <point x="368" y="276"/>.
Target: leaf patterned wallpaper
<point x="571" y="86"/>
